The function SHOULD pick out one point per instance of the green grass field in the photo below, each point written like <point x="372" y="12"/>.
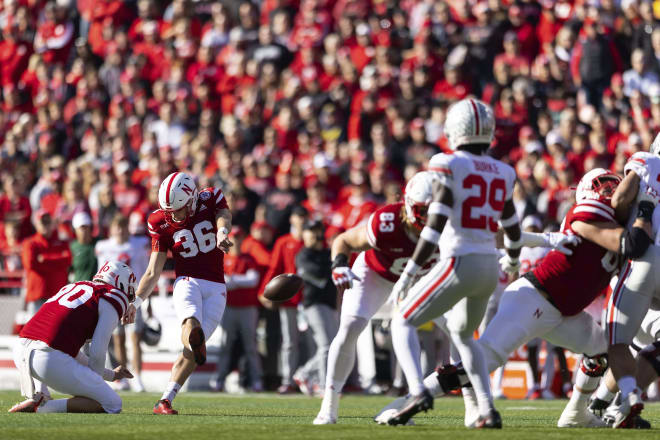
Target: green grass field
<point x="267" y="416"/>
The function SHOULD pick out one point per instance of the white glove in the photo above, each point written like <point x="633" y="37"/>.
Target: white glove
<point x="509" y="265"/>
<point x="560" y="241"/>
<point x="647" y="194"/>
<point x="401" y="287"/>
<point x="343" y="278"/>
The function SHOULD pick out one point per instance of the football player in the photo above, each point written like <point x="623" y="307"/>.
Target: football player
<point x="638" y="282"/>
<point x="540" y="305"/>
<point x="385" y="243"/>
<point x="194" y="226"/>
<point x="48" y="353"/>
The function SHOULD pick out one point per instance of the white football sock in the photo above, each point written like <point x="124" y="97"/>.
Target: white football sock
<point x="603" y="393"/>
<point x="53" y="406"/>
<point x="475" y="366"/>
<point x="584" y="387"/>
<point x="408" y="352"/>
<point x="170" y="391"/>
<point x="341" y="355"/>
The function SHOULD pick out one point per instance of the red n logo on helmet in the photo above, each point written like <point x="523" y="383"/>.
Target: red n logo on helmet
<point x="186" y="189"/>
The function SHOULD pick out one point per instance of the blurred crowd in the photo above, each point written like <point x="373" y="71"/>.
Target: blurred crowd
<point x="326" y="104"/>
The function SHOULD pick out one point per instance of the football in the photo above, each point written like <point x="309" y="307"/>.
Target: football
<point x="283" y="287"/>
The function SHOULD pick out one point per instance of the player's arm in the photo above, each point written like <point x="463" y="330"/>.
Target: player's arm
<point x="439" y="211"/>
<point x="611" y="236"/>
<point x="223" y="222"/>
<point x="512" y="238"/>
<point x="355" y="239"/>
<point x="147" y="283"/>
<point x="108" y="320"/>
<point x="624" y="196"/>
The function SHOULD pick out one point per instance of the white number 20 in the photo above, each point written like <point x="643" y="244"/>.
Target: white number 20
<point x="201" y="239"/>
<point x="386" y="222"/>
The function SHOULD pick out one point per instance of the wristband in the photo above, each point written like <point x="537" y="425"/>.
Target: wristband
<point x="513" y="220"/>
<point x="509" y="244"/>
<point x="411" y="268"/>
<point x="340" y="260"/>
<point x="137" y="302"/>
<point x="437" y="208"/>
<point x="224" y="230"/>
<point x="645" y="210"/>
<point x="429" y="234"/>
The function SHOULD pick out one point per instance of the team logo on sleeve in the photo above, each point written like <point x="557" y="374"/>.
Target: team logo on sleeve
<point x="205" y="195"/>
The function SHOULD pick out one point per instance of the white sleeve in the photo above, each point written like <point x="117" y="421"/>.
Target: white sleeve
<point x="441" y="164"/>
<point x="108" y="320"/>
<point x="637" y="163"/>
<point x="245" y="281"/>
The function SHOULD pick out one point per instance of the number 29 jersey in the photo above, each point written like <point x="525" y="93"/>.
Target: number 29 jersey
<point x="193" y="241"/>
<point x="391" y="245"/>
<point x="480" y="186"/>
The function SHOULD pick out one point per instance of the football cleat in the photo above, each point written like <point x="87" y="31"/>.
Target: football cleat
<point x="492" y="421"/>
<point x="27" y="406"/>
<point x="578" y="417"/>
<point x="324" y="419"/>
<point x="303" y="384"/>
<point x="598" y="406"/>
<point x="164" y="406"/>
<point x="631" y="407"/>
<point x="414" y="405"/>
<point x="198" y="345"/>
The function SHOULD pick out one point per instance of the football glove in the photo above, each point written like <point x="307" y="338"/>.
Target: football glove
<point x="561" y="241"/>
<point x="401" y="287"/>
<point x="509" y="265"/>
<point x="343" y="278"/>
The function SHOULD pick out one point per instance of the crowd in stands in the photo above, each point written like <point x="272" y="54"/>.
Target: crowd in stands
<point x="326" y="104"/>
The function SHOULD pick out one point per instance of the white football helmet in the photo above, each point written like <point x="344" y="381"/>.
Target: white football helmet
<point x="176" y="191"/>
<point x="418" y="196"/>
<point x="655" y="146"/>
<point x="120" y="275"/>
<point x="469" y="121"/>
<point x="594" y="184"/>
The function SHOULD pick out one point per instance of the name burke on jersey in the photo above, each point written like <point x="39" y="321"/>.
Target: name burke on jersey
<point x="485" y="167"/>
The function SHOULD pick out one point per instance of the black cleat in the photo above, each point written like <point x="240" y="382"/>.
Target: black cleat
<point x="598" y="406"/>
<point x="640" y="423"/>
<point x="414" y="405"/>
<point x="492" y="421"/>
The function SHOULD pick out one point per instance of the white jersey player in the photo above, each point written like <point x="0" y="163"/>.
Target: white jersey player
<point x="639" y="281"/>
<point x="473" y="195"/>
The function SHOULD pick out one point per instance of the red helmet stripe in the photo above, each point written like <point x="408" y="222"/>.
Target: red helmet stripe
<point x="476" y="117"/>
<point x="169" y="186"/>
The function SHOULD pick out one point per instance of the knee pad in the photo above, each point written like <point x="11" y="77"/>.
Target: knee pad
<point x="594" y="366"/>
<point x="652" y="354"/>
<point x="112" y="405"/>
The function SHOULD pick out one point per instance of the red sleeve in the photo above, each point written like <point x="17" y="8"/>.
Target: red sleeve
<point x="28" y="257"/>
<point x="592" y="211"/>
<point x="275" y="267"/>
<point x="220" y="200"/>
<point x="159" y="242"/>
<point x="575" y="61"/>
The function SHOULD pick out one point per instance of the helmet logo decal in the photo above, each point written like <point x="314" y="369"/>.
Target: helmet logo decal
<point x="186" y="189"/>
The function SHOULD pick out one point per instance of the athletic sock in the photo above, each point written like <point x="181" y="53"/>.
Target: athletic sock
<point x="53" y="406"/>
<point x="603" y="393"/>
<point x="171" y="391"/>
<point x="408" y="351"/>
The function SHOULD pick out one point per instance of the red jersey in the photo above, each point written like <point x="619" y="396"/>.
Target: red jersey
<point x="240" y="265"/>
<point x="574" y="281"/>
<point x="392" y="246"/>
<point x="193" y="241"/>
<point x="283" y="260"/>
<point x="67" y="320"/>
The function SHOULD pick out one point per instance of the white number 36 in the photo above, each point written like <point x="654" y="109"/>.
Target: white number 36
<point x="201" y="239"/>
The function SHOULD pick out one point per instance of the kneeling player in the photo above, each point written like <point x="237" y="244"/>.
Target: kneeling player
<point x="49" y="349"/>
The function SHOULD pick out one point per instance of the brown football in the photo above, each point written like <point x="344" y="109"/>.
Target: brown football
<point x="283" y="287"/>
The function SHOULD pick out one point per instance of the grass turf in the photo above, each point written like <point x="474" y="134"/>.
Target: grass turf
<point x="268" y="416"/>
